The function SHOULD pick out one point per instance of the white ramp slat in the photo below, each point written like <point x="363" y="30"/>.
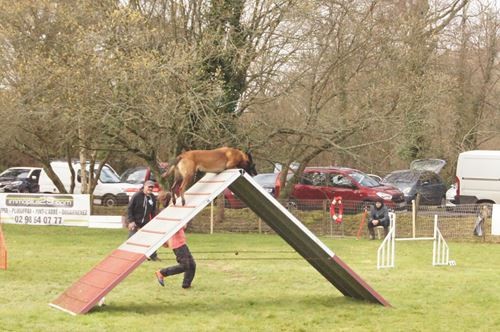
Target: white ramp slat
<point x="170" y="220"/>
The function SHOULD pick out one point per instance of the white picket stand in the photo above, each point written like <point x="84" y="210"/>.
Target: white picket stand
<point x="387" y="249"/>
<point x="440" y="249"/>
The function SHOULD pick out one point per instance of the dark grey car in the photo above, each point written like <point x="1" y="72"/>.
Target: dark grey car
<point x="422" y="178"/>
<point x="21" y="180"/>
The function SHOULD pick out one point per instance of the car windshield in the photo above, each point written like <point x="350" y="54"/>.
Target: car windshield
<point x="16" y="173"/>
<point x="266" y="180"/>
<point x="108" y="176"/>
<point x="401" y="177"/>
<point x="134" y="176"/>
<point x="364" y="180"/>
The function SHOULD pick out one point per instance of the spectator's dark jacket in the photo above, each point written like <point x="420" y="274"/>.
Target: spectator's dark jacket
<point x="381" y="214"/>
<point x="139" y="209"/>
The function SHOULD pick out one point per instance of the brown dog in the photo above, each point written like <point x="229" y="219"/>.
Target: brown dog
<point x="214" y="161"/>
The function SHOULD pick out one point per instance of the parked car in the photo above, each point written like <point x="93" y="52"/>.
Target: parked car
<point x="266" y="180"/>
<point x="108" y="191"/>
<point x="356" y="188"/>
<point x="136" y="177"/>
<point x="20" y="180"/>
<point x="422" y="178"/>
<point x="477" y="177"/>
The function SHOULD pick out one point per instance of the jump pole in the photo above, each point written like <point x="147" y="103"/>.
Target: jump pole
<point x="362" y="223"/>
<point x="413" y="217"/>
<point x="212" y="217"/>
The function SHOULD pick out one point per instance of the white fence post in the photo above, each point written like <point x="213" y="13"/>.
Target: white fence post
<point x="386" y="251"/>
<point x="440" y="249"/>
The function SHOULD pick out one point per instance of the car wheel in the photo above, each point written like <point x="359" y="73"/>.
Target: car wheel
<point x="109" y="200"/>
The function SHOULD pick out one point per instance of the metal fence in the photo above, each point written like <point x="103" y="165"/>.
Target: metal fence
<point x="456" y="223"/>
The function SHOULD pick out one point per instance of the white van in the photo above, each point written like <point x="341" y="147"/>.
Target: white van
<point x="108" y="191"/>
<point x="478" y="177"/>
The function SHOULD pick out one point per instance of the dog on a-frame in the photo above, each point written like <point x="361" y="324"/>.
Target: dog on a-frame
<point x="214" y="161"/>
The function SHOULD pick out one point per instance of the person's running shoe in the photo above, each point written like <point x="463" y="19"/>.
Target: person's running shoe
<point x="160" y="277"/>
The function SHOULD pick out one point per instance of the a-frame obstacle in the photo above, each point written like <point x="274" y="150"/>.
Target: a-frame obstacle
<point x="93" y="286"/>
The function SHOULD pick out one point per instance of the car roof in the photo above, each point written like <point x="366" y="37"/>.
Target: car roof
<point x="134" y="169"/>
<point x="331" y="168"/>
<point x="407" y="172"/>
<point x="265" y="177"/>
<point x="482" y="153"/>
<point x="24" y="169"/>
<point x="261" y="175"/>
<point x="19" y="167"/>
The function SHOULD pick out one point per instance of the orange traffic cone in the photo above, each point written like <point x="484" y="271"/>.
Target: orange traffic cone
<point x="3" y="251"/>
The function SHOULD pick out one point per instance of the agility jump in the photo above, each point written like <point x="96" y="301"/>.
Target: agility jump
<point x="387" y="250"/>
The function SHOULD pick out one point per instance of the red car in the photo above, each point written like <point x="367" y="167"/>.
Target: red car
<point x="356" y="188"/>
<point x="136" y="177"/>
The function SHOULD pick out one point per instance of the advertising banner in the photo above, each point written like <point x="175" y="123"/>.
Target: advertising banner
<point x="44" y="209"/>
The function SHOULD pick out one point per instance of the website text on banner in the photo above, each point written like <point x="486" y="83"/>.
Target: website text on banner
<point x="44" y="209"/>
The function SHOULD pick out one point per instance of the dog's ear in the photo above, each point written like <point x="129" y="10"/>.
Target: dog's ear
<point x="251" y="169"/>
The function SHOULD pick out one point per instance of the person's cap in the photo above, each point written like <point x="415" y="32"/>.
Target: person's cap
<point x="149" y="183"/>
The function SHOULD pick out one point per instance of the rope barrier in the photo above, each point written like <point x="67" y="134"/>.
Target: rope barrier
<point x="253" y="258"/>
<point x="236" y="252"/>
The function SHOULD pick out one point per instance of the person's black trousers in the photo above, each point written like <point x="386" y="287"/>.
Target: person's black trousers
<point x="186" y="265"/>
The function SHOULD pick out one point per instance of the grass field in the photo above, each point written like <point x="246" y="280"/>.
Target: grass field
<point x="266" y="287"/>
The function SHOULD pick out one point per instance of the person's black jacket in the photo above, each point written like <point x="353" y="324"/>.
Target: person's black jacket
<point x="141" y="208"/>
<point x="382" y="215"/>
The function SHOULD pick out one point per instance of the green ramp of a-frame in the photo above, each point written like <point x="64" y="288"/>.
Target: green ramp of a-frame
<point x="303" y="241"/>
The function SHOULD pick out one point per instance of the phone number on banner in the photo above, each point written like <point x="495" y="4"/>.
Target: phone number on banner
<point x="46" y="220"/>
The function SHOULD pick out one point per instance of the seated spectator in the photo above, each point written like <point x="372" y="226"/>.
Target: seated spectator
<point x="379" y="216"/>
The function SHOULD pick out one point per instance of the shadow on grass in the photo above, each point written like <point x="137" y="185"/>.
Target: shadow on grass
<point x="223" y="305"/>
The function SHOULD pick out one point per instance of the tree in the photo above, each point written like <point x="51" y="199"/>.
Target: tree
<point x="47" y="63"/>
<point x="326" y="107"/>
<point x="477" y="76"/>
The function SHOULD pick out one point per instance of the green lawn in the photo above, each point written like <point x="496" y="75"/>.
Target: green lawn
<point x="252" y="291"/>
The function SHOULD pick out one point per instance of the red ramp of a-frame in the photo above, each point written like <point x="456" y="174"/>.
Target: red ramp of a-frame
<point x="93" y="286"/>
<point x="86" y="292"/>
